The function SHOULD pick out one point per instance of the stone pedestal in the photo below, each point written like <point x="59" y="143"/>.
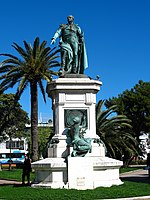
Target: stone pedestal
<point x="92" y="172"/>
<point x="61" y="170"/>
<point x="80" y="173"/>
<point x="50" y="172"/>
<point x="70" y="94"/>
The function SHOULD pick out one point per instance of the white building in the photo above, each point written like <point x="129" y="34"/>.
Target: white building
<point x="145" y="144"/>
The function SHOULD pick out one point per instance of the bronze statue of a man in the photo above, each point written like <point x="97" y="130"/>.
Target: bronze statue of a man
<point x="73" y="51"/>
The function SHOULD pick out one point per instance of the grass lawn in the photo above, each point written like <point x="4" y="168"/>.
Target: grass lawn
<point x="128" y="189"/>
<point x="128" y="169"/>
<point x="14" y="174"/>
<point x="18" y="192"/>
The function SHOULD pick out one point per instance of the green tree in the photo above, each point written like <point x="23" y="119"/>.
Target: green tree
<point x="34" y="66"/>
<point x="135" y="104"/>
<point x="13" y="119"/>
<point x="114" y="130"/>
<point x="11" y="116"/>
<point x="44" y="134"/>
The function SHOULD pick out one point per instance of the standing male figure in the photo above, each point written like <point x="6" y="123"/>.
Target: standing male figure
<point x="26" y="169"/>
<point x="73" y="51"/>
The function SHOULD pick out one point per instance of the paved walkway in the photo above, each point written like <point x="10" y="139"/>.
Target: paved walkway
<point x="136" y="176"/>
<point x="9" y="182"/>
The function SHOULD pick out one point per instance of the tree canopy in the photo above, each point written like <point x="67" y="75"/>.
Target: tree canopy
<point x="135" y="104"/>
<point x="12" y="116"/>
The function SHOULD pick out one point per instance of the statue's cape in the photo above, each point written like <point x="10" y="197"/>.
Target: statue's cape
<point x="83" y="63"/>
<point x="67" y="48"/>
<point x="82" y="55"/>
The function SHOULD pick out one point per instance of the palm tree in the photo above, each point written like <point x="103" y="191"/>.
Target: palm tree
<point x="35" y="65"/>
<point x="114" y="131"/>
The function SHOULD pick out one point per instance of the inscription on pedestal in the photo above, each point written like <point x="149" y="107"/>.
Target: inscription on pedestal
<point x="80" y="181"/>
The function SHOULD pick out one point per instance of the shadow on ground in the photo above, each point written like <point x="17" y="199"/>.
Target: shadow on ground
<point x="143" y="178"/>
<point x="14" y="185"/>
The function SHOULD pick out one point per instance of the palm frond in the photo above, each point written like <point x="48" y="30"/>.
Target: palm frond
<point x="114" y="130"/>
<point x="20" y="50"/>
<point x="36" y="47"/>
<point x="42" y="90"/>
<point x="42" y="46"/>
<point x="9" y="55"/>
<point x="23" y="84"/>
<point x="28" y="48"/>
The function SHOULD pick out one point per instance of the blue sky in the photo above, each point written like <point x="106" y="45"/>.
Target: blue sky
<point x="117" y="36"/>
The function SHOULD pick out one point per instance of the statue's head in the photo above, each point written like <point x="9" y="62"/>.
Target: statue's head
<point x="70" y="18"/>
<point x="77" y="120"/>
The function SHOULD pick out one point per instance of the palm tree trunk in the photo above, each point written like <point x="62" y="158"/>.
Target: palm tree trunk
<point x="34" y="119"/>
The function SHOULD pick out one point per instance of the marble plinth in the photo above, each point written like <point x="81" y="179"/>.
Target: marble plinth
<point x="50" y="172"/>
<point x="77" y="172"/>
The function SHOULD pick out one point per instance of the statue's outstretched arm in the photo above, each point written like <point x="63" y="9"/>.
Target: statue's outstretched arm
<point x="56" y="35"/>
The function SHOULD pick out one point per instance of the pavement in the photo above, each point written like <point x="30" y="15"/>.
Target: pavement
<point x="140" y="175"/>
<point x="9" y="182"/>
<point x="135" y="176"/>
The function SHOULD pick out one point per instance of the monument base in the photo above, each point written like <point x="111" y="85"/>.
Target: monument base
<point x="75" y="95"/>
<point x="77" y="172"/>
<point x="50" y="172"/>
<point x="93" y="172"/>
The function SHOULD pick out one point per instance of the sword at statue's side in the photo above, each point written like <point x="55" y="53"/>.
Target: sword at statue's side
<point x="79" y="58"/>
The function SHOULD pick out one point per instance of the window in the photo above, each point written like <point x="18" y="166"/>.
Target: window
<point x="15" y="144"/>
